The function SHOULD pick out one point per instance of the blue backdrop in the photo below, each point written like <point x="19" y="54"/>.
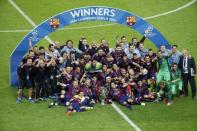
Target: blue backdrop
<point x="91" y="13"/>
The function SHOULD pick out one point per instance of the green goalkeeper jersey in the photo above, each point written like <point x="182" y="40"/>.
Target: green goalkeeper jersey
<point x="93" y="69"/>
<point x="163" y="64"/>
<point x="175" y="74"/>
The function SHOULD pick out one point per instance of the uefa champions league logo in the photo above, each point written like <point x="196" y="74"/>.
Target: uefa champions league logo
<point x="149" y="31"/>
<point x="34" y="35"/>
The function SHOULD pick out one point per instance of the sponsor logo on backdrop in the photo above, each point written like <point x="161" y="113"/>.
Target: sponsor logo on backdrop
<point x="131" y="20"/>
<point x="54" y="23"/>
<point x="149" y="31"/>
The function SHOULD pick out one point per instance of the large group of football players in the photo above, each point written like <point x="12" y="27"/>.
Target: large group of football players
<point x="128" y="74"/>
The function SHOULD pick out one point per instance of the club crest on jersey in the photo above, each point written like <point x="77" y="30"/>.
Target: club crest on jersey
<point x="131" y="20"/>
<point x="54" y="23"/>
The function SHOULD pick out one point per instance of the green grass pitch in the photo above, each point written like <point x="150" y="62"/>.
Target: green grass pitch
<point x="179" y="28"/>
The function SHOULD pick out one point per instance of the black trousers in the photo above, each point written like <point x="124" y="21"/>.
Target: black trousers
<point x="191" y="79"/>
<point x="42" y="88"/>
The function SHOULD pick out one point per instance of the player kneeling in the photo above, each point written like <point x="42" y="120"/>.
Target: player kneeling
<point x="164" y="93"/>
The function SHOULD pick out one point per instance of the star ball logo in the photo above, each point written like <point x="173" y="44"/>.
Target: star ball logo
<point x="54" y="23"/>
<point x="149" y="31"/>
<point x="131" y="20"/>
<point x="34" y="36"/>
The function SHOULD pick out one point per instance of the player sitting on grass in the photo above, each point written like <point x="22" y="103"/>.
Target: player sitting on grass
<point x="164" y="93"/>
<point x="79" y="103"/>
<point x="120" y="97"/>
<point x="142" y="92"/>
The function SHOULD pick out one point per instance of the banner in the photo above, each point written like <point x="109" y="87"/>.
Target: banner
<point x="93" y="13"/>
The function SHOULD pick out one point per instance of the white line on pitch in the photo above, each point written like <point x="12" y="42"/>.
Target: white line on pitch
<point x="172" y="11"/>
<point x="131" y="123"/>
<point x="9" y="31"/>
<point x="103" y="25"/>
<point x="26" y="17"/>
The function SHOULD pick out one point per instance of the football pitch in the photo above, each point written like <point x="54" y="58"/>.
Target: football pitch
<point x="175" y="19"/>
